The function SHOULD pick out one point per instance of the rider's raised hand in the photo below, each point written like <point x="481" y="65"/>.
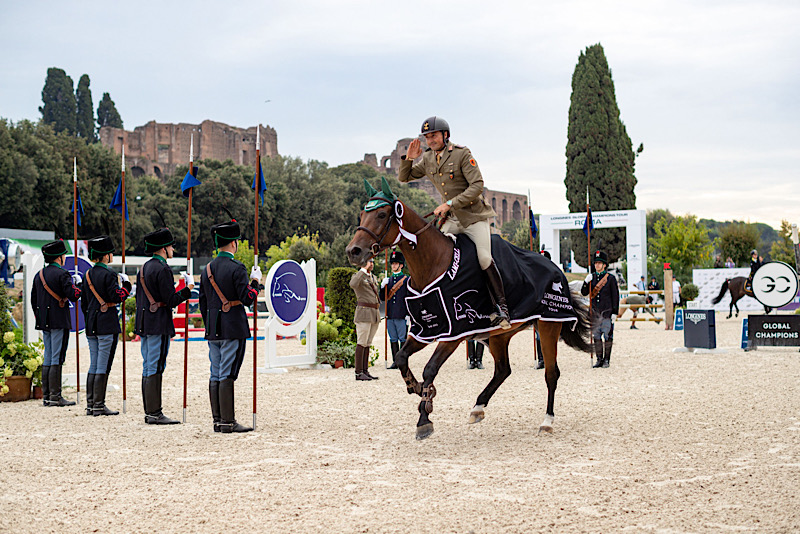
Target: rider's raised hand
<point x="414" y="149"/>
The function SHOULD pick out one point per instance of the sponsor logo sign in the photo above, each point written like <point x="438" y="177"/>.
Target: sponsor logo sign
<point x="773" y="330"/>
<point x="775" y="284"/>
<point x="288" y="291"/>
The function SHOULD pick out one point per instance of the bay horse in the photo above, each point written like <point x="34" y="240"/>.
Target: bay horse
<point x="736" y="287"/>
<point x="394" y="223"/>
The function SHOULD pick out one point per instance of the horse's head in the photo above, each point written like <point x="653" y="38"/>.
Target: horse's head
<point x="376" y="230"/>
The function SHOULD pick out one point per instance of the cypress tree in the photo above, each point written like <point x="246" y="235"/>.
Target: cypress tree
<point x="85" y="120"/>
<point x="107" y="114"/>
<point x="60" y="107"/>
<point x="599" y="154"/>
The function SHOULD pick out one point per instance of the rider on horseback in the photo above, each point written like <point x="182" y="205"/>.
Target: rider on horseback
<point x="455" y="174"/>
<point x="756" y="261"/>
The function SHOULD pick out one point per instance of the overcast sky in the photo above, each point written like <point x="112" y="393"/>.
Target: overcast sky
<point x="711" y="88"/>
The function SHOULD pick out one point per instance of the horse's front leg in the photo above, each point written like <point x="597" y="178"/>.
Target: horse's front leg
<point x="401" y="359"/>
<point x="548" y="333"/>
<point x="498" y="346"/>
<point x="440" y="355"/>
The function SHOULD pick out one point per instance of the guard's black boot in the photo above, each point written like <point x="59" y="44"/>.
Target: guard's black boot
<point x="45" y="385"/>
<point x="55" y="388"/>
<point x="144" y="395"/>
<point x="213" y="396"/>
<point x="598" y="351"/>
<point x="90" y="394"/>
<point x="470" y="355"/>
<point x="478" y="355"/>
<point x="154" y="416"/>
<point x="539" y="355"/>
<point x="228" y="423"/>
<point x="607" y="356"/>
<point x="395" y="347"/>
<point x="501" y="318"/>
<point x="100" y="408"/>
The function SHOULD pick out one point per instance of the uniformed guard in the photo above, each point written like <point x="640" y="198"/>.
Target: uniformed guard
<point x="394" y="290"/>
<point x="367" y="317"/>
<point x="604" y="291"/>
<point x="454" y="172"/>
<point x="224" y="292"/>
<point x="53" y="287"/>
<point x="101" y="296"/>
<point x="155" y="298"/>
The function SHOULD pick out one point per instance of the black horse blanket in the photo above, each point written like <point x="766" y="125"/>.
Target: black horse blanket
<point x="458" y="303"/>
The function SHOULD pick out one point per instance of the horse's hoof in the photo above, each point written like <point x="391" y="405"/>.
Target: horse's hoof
<point x="476" y="415"/>
<point x="547" y="425"/>
<point x="424" y="431"/>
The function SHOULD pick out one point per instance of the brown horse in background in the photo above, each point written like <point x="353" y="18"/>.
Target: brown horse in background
<point x="427" y="260"/>
<point x="736" y="286"/>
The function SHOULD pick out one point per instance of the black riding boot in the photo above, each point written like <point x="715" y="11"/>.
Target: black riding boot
<point x="478" y="355"/>
<point x="90" y="393"/>
<point x="46" y="385"/>
<point x="55" y="388"/>
<point x="598" y="351"/>
<point x="607" y="356"/>
<point x="154" y="415"/>
<point x="228" y="423"/>
<point x="501" y="318"/>
<point x="100" y="408"/>
<point x="360" y="365"/>
<point x="539" y="355"/>
<point x="213" y="396"/>
<point x="395" y="347"/>
<point x="144" y="394"/>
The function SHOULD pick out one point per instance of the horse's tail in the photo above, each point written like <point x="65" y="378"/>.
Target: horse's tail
<point x="578" y="337"/>
<point x="722" y="291"/>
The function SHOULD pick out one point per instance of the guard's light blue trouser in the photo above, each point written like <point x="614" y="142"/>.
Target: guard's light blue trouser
<point x="154" y="354"/>
<point x="101" y="353"/>
<point x="55" y="346"/>
<point x="226" y="357"/>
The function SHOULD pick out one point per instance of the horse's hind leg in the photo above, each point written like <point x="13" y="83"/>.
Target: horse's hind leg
<point x="498" y="346"/>
<point x="401" y="359"/>
<point x="548" y="333"/>
<point x="443" y="351"/>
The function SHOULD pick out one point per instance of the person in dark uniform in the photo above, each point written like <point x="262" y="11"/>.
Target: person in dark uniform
<point x="366" y="318"/>
<point x="155" y="298"/>
<point x="224" y="292"/>
<point x="454" y="172"/>
<point x="101" y="295"/>
<point x="604" y="294"/>
<point x="395" y="287"/>
<point x="653" y="285"/>
<point x="53" y="287"/>
<point x="756" y="261"/>
<point x="475" y="354"/>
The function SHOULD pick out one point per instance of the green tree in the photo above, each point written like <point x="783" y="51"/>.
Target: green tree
<point x="737" y="240"/>
<point x="518" y="233"/>
<point x="58" y="95"/>
<point x="107" y="114"/>
<point x="783" y="248"/>
<point x="599" y="153"/>
<point x="683" y="243"/>
<point x="85" y="119"/>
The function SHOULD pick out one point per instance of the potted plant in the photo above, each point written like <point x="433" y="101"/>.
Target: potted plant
<point x="21" y="363"/>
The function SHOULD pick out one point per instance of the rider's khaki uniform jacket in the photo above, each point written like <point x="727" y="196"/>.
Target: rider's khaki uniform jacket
<point x="366" y="287"/>
<point x="457" y="177"/>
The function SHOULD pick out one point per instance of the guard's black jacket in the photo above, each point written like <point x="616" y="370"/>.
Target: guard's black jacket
<point x="158" y="279"/>
<point x="104" y="280"/>
<point x="231" y="277"/>
<point x="49" y="315"/>
<point x="396" y="307"/>
<point x="606" y="302"/>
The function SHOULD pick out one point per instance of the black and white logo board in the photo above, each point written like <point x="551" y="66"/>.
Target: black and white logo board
<point x="775" y="284"/>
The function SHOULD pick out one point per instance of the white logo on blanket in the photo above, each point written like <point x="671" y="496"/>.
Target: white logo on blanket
<point x="454" y="268"/>
<point x="557" y="287"/>
<point x="464" y="310"/>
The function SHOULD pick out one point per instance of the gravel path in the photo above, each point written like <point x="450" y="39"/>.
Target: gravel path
<point x="659" y="442"/>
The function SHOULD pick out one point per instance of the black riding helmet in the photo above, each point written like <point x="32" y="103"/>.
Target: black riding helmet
<point x="436" y="124"/>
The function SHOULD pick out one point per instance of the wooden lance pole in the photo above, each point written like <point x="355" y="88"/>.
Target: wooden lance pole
<point x="75" y="252"/>
<point x="124" y="331"/>
<point x="188" y="270"/>
<point x="386" y="313"/>
<point x="589" y="268"/>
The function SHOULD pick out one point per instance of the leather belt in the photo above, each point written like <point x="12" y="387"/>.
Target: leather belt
<point x="367" y="305"/>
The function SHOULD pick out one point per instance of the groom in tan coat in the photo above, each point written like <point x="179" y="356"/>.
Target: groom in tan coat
<point x="367" y="317"/>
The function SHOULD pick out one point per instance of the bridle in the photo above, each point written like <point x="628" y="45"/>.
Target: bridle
<point x="396" y="215"/>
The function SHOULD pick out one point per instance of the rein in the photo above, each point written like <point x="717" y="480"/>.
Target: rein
<point x="376" y="247"/>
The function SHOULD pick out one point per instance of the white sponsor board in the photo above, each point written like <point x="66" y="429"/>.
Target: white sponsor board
<point x="709" y="282"/>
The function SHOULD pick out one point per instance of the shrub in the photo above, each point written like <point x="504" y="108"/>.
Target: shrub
<point x="340" y="296"/>
<point x="689" y="292"/>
